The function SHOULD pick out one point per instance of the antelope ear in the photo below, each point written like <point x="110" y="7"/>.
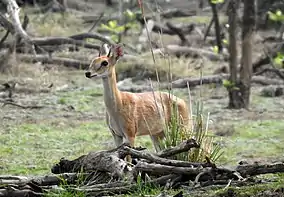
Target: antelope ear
<point x="117" y="52"/>
<point x="104" y="50"/>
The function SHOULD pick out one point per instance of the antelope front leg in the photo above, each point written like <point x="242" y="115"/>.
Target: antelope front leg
<point x="156" y="139"/>
<point x="118" y="140"/>
<point x="130" y="139"/>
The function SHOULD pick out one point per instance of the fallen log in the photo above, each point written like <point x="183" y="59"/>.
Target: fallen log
<point x="42" y="180"/>
<point x="194" y="52"/>
<point x="218" y="79"/>
<point x="157" y="28"/>
<point x="94" y="35"/>
<point x="196" y="81"/>
<point x="159" y="169"/>
<point x="164" y="29"/>
<point x="247" y="170"/>
<point x="171" y="13"/>
<point x="103" y="161"/>
<point x="62" y="41"/>
<point x="44" y="59"/>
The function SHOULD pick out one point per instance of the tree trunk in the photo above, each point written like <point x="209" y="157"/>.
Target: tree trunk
<point x="108" y="2"/>
<point x="234" y="94"/>
<point x="249" y="17"/>
<point x="217" y="26"/>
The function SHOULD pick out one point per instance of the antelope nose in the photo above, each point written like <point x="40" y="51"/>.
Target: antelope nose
<point x="88" y="74"/>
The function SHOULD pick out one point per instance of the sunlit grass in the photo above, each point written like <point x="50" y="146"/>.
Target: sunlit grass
<point x="254" y="140"/>
<point x="33" y="148"/>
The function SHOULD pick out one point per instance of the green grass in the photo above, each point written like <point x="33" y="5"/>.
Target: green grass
<point x="254" y="140"/>
<point x="83" y="100"/>
<point x="56" y="24"/>
<point x="34" y="148"/>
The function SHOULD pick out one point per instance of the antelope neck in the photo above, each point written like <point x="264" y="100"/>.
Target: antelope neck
<point x="111" y="93"/>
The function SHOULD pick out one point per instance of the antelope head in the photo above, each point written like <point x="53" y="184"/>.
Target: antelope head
<point x="102" y="66"/>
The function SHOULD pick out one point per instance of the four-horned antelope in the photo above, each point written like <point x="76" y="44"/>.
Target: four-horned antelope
<point x="133" y="114"/>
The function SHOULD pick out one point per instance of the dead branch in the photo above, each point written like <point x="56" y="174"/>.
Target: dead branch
<point x="256" y="169"/>
<point x="13" y="11"/>
<point x="208" y="29"/>
<point x="178" y="31"/>
<point x="62" y="41"/>
<point x="52" y="43"/>
<point x="196" y="81"/>
<point x="165" y="14"/>
<point x="278" y="72"/>
<point x="24" y="25"/>
<point x="194" y="52"/>
<point x="218" y="79"/>
<point x="6" y="24"/>
<point x="180" y="148"/>
<point x="96" y="22"/>
<point x="5" y="102"/>
<point x="94" y="35"/>
<point x="4" y="38"/>
<point x="44" y="59"/>
<point x="156" y="159"/>
<point x="157" y="28"/>
<point x="174" y="13"/>
<point x="163" y="29"/>
<point x="42" y="180"/>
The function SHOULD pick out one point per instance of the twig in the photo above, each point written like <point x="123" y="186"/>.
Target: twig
<point x="96" y="22"/>
<point x="228" y="185"/>
<point x="277" y="71"/>
<point x="4" y="37"/>
<point x="21" y="106"/>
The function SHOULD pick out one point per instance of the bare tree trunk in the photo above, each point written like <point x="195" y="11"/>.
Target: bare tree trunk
<point x="201" y="4"/>
<point x="217" y="26"/>
<point x="234" y="94"/>
<point x="249" y="17"/>
<point x="109" y="2"/>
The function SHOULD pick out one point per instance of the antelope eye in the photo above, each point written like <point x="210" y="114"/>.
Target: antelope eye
<point x="104" y="63"/>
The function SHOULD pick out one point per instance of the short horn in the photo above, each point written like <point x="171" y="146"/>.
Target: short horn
<point x="109" y="51"/>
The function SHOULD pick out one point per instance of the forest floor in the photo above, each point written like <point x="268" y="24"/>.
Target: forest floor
<point x="71" y="121"/>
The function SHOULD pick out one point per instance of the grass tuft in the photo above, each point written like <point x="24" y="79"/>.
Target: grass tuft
<point x="176" y="134"/>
